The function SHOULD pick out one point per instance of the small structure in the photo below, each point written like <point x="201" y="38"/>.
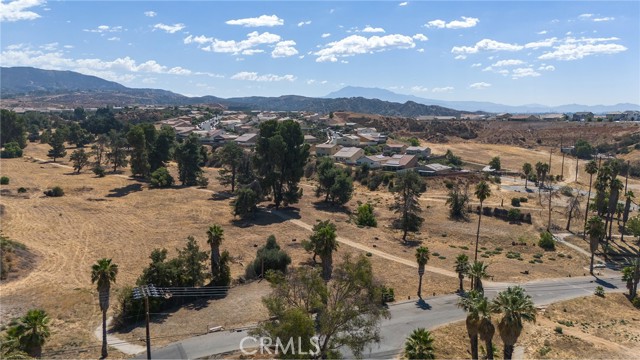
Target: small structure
<point x="582" y="116"/>
<point x="373" y="161"/>
<point x="310" y="139"/>
<point x="349" y="155"/>
<point x="401" y="162"/>
<point x="434" y="169"/>
<point x="421" y="152"/>
<point x="394" y="148"/>
<point x="326" y="149"/>
<point x="348" y="140"/>
<point x="248" y="139"/>
<point x="524" y="118"/>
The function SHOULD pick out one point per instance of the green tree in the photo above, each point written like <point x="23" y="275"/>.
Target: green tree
<point x="57" y="146"/>
<point x="495" y="163"/>
<point x="188" y="156"/>
<point x="486" y="330"/>
<point x="583" y="149"/>
<point x="100" y="148"/>
<point x="80" y="159"/>
<point x="231" y="155"/>
<point x="477" y="272"/>
<point x="471" y="303"/>
<point x="591" y="168"/>
<point x="462" y="268"/>
<point x="245" y="203"/>
<point x="419" y="345"/>
<point x="139" y="162"/>
<point x="117" y="154"/>
<point x="342" y="189"/>
<point x="631" y="275"/>
<point x="629" y="196"/>
<point x="192" y="260"/>
<point x="526" y="169"/>
<point x="633" y="226"/>
<point x="596" y="231"/>
<point x="280" y="158"/>
<point x="79" y="136"/>
<point x="79" y="114"/>
<point x="515" y="306"/>
<point x="215" y="235"/>
<point x="408" y="188"/>
<point x="11" y="150"/>
<point x="483" y="191"/>
<point x="294" y="327"/>
<point x="457" y="201"/>
<point x="163" y="147"/>
<point x="323" y="243"/>
<point x="30" y="332"/>
<point x="103" y="273"/>
<point x="269" y="257"/>
<point x="326" y="173"/>
<point x="422" y="257"/>
<point x="161" y="178"/>
<point x="365" y="216"/>
<point x="12" y="129"/>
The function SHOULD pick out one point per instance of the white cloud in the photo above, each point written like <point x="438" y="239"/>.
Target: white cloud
<point x="253" y="76"/>
<point x="542" y="32"/>
<point x="420" y="37"/>
<point x="418" y="88"/>
<point x="524" y="72"/>
<point x="446" y="89"/>
<point x="476" y="65"/>
<point x="547" y="68"/>
<point x="47" y="47"/>
<point x="369" y="29"/>
<point x="404" y="3"/>
<point x="252" y="52"/>
<point x="262" y="20"/>
<point x="510" y="62"/>
<point x="105" y="29"/>
<point x="150" y="13"/>
<point x="303" y="23"/>
<point x="169" y="28"/>
<point x="460" y="57"/>
<point x="421" y="50"/>
<point x="325" y="35"/>
<point x="114" y="38"/>
<point x="284" y="49"/>
<point x="466" y="22"/>
<point x="479" y="85"/>
<point x="311" y="82"/>
<point x="604" y="19"/>
<point x="488" y="45"/>
<point x="542" y="43"/>
<point x="356" y="44"/>
<point x="575" y="49"/>
<point x="254" y="40"/>
<point x="17" y="10"/>
<point x="201" y="39"/>
<point x="585" y="16"/>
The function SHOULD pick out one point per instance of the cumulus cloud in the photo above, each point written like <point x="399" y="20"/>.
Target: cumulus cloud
<point x="419" y="88"/>
<point x="584" y="16"/>
<point x="466" y="22"/>
<point x="510" y="62"/>
<point x="254" y="76"/>
<point x="542" y="32"/>
<point x="486" y="45"/>
<point x="421" y="50"/>
<point x="446" y="89"/>
<point x="169" y="28"/>
<point x="253" y="41"/>
<point x="524" y="72"/>
<point x="460" y="57"/>
<point x="479" y="85"/>
<point x="404" y="3"/>
<point x="262" y="20"/>
<point x="114" y="38"/>
<point x="303" y="23"/>
<point x="542" y="43"/>
<point x="105" y="29"/>
<point x="370" y="29"/>
<point x="356" y="44"/>
<point x="17" y="10"/>
<point x="575" y="49"/>
<point x="284" y="49"/>
<point x="544" y="67"/>
<point x="607" y="18"/>
<point x="325" y="35"/>
<point x="420" y="37"/>
<point x="476" y="65"/>
<point x="150" y="13"/>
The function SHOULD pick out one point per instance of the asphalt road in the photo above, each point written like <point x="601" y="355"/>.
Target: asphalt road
<point x="405" y="317"/>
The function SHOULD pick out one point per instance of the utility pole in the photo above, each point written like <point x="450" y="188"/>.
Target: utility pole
<point x="550" y="152"/>
<point x="145" y="292"/>
<point x="626" y="180"/>
<point x="577" y="169"/>
<point x="562" y="169"/>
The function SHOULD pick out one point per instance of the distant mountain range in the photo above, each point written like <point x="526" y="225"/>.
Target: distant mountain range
<point x="386" y="95"/>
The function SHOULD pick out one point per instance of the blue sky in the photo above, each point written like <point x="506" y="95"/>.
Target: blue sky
<point x="511" y="52"/>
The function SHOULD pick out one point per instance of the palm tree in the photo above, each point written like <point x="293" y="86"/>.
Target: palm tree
<point x="625" y="212"/>
<point x="526" y="169"/>
<point x="324" y="244"/>
<point x="31" y="332"/>
<point x="477" y="272"/>
<point x="614" y="194"/>
<point x="103" y="272"/>
<point x="462" y="267"/>
<point x="486" y="330"/>
<point x="596" y="231"/>
<point x="483" y="191"/>
<point x="471" y="302"/>
<point x="419" y="345"/>
<point x="215" y="234"/>
<point x="516" y="306"/>
<point x="591" y="168"/>
<point x="422" y="257"/>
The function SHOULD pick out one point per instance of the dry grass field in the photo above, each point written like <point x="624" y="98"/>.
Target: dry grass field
<point x="123" y="219"/>
<point x="601" y="328"/>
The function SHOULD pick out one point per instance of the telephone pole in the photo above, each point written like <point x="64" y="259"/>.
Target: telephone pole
<point x="145" y="292"/>
<point x="562" y="169"/>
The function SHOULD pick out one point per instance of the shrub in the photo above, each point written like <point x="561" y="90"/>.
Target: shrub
<point x="161" y="178"/>
<point x="636" y="302"/>
<point x="599" y="291"/>
<point x="99" y="171"/>
<point x="566" y="191"/>
<point x="202" y="181"/>
<point x="56" y="191"/>
<point x="268" y="257"/>
<point x="515" y="202"/>
<point x="524" y="199"/>
<point x="365" y="216"/>
<point x="11" y="150"/>
<point x="387" y="295"/>
<point x="4" y="180"/>
<point x="513" y="215"/>
<point x="558" y="330"/>
<point x="21" y="190"/>
<point x="546" y="241"/>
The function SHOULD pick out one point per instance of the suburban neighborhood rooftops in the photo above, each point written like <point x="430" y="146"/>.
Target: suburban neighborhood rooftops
<point x="347" y="152"/>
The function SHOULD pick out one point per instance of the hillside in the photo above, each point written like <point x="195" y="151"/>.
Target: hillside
<point x="18" y="80"/>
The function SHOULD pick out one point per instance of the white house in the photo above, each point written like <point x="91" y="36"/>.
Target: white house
<point x="326" y="149"/>
<point x="348" y="140"/>
<point x="373" y="161"/>
<point x="421" y="152"/>
<point x="349" y="155"/>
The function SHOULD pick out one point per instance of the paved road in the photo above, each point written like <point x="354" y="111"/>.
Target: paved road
<point x="406" y="316"/>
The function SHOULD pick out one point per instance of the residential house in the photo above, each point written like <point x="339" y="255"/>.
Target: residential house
<point x="434" y="169"/>
<point x="632" y="115"/>
<point x="503" y="116"/>
<point x="348" y="140"/>
<point x="310" y="139"/>
<point x="615" y="116"/>
<point x="326" y="149"/>
<point x="524" y="118"/>
<point x="394" y="148"/>
<point x="401" y="162"/>
<point x="421" y="152"/>
<point x="582" y="116"/>
<point x="552" y="117"/>
<point x="349" y="155"/>
<point x="248" y="139"/>
<point x="373" y="161"/>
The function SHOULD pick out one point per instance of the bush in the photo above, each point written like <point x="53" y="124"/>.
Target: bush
<point x="546" y="241"/>
<point x="4" y="180"/>
<point x="566" y="191"/>
<point x="161" y="178"/>
<point x="99" y="171"/>
<point x="271" y="257"/>
<point x="387" y="295"/>
<point x="515" y="202"/>
<point x="202" y="181"/>
<point x="599" y="291"/>
<point x="513" y="215"/>
<point x="558" y="330"/>
<point x="636" y="302"/>
<point x="11" y="150"/>
<point x="524" y="199"/>
<point x="21" y="190"/>
<point x="365" y="216"/>
<point x="55" y="192"/>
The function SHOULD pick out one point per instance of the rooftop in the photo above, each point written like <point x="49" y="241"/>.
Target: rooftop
<point x="347" y="152"/>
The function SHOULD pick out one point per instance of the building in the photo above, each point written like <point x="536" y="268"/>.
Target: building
<point x="582" y="116"/>
<point x="373" y="161"/>
<point x="349" y="155"/>
<point x="632" y="115"/>
<point x="310" y="139"/>
<point x="395" y="148"/>
<point x="248" y="139"/>
<point x="326" y="149"/>
<point x="434" y="169"/>
<point x="348" y="140"/>
<point x="421" y="152"/>
<point x="552" y="117"/>
<point x="503" y="116"/>
<point x="401" y="162"/>
<point x="615" y="116"/>
<point x="524" y="118"/>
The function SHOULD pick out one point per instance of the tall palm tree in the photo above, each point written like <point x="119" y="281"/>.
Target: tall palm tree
<point x="486" y="330"/>
<point x="325" y="243"/>
<point x="614" y="194"/>
<point x="516" y="306"/>
<point x="483" y="191"/>
<point x="471" y="303"/>
<point x="419" y="345"/>
<point x="31" y="332"/>
<point x="422" y="257"/>
<point x="591" y="168"/>
<point x="477" y="272"/>
<point x="215" y="234"/>
<point x="629" y="196"/>
<point x="462" y="267"/>
<point x="596" y="231"/>
<point x="526" y="169"/>
<point x="103" y="272"/>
